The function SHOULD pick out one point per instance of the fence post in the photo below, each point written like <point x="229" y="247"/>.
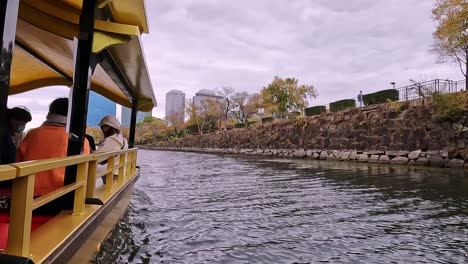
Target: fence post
<point x="19" y="232"/>
<point x="80" y="193"/>
<point x="91" y="181"/>
<point x="121" y="169"/>
<point x="128" y="165"/>
<point x="110" y="175"/>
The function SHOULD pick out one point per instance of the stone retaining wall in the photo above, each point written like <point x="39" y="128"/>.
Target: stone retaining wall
<point x="407" y="134"/>
<point x="418" y="157"/>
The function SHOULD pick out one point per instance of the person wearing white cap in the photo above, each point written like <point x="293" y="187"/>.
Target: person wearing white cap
<point x="113" y="138"/>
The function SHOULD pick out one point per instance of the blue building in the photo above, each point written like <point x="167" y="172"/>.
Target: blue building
<point x="101" y="107"/>
<point x="127" y="113"/>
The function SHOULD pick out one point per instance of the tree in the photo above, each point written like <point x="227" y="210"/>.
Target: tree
<point x="176" y="120"/>
<point x="246" y="105"/>
<point x="150" y="129"/>
<point x="194" y="115"/>
<point x="451" y="35"/>
<point x="286" y="95"/>
<point x="226" y="105"/>
<point x="203" y="115"/>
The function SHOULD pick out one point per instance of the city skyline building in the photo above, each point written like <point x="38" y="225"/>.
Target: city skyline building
<point x="175" y="106"/>
<point x="205" y="94"/>
<point x="101" y="107"/>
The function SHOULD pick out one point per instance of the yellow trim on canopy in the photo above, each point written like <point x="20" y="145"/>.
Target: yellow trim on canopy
<point x="46" y="30"/>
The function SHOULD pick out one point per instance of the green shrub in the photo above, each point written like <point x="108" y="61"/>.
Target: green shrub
<point x="240" y="125"/>
<point x="315" y="110"/>
<point x="450" y="107"/>
<point x="267" y="119"/>
<point x="381" y="97"/>
<point x="250" y="123"/>
<point x="342" y="105"/>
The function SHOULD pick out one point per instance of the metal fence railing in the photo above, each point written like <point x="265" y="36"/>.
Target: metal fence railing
<point x="428" y="88"/>
<point x="423" y="89"/>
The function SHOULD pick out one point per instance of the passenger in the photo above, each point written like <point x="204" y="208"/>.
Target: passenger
<point x="50" y="140"/>
<point x="92" y="143"/>
<point x="113" y="139"/>
<point x="17" y="117"/>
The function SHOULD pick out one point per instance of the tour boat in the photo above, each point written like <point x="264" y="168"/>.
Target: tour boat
<point x="86" y="45"/>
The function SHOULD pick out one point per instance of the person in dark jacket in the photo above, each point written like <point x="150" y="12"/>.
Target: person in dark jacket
<point x="17" y="117"/>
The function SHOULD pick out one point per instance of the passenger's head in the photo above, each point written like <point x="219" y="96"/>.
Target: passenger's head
<point x="110" y="125"/>
<point x="18" y="117"/>
<point x="59" y="106"/>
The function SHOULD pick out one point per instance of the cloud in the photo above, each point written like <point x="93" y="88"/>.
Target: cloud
<point x="339" y="46"/>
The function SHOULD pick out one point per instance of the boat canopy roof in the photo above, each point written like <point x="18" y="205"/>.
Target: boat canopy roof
<point x="43" y="52"/>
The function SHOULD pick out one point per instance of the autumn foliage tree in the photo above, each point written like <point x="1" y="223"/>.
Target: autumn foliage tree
<point x="226" y="104"/>
<point x="286" y="95"/>
<point x="451" y="35"/>
<point x="245" y="105"/>
<point x="203" y="115"/>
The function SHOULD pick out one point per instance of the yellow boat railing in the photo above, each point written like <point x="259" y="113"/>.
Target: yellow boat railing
<point x="22" y="193"/>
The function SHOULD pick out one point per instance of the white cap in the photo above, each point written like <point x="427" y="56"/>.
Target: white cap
<point x="111" y="121"/>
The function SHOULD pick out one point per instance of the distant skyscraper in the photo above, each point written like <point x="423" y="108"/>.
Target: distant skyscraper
<point x="175" y="106"/>
<point x="205" y="94"/>
<point x="101" y="107"/>
<point x="127" y="114"/>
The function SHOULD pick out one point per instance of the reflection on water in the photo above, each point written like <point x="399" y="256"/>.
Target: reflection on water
<point x="200" y="208"/>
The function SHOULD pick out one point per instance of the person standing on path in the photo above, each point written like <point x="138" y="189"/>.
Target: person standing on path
<point x="360" y="98"/>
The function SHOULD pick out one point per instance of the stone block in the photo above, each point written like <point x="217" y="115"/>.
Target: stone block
<point x="299" y="153"/>
<point x="411" y="162"/>
<point x="363" y="158"/>
<point x="309" y="153"/>
<point x="382" y="150"/>
<point x="323" y="155"/>
<point x="384" y="159"/>
<point x="432" y="152"/>
<point x="315" y="155"/>
<point x="374" y="159"/>
<point x="345" y="155"/>
<point x="444" y="153"/>
<point x="422" y="161"/>
<point x="332" y="157"/>
<point x="436" y="161"/>
<point x="353" y="155"/>
<point x="336" y="153"/>
<point x="399" y="160"/>
<point x="455" y="163"/>
<point x="397" y="153"/>
<point x="414" y="155"/>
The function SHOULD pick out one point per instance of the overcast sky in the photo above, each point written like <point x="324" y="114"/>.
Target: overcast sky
<point x="339" y="46"/>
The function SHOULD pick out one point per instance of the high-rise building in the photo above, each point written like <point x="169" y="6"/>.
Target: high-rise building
<point x="101" y="107"/>
<point x="127" y="114"/>
<point x="205" y="94"/>
<point x="175" y="106"/>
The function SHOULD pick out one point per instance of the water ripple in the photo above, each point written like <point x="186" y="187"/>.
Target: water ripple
<point x="199" y="208"/>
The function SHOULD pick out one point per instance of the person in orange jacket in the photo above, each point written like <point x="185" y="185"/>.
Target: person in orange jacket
<point x="50" y="140"/>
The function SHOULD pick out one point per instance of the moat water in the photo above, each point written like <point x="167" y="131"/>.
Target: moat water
<point x="201" y="208"/>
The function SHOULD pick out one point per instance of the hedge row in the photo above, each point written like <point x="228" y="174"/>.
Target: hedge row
<point x="241" y="125"/>
<point x="381" y="97"/>
<point x="342" y="104"/>
<point x="315" y="110"/>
